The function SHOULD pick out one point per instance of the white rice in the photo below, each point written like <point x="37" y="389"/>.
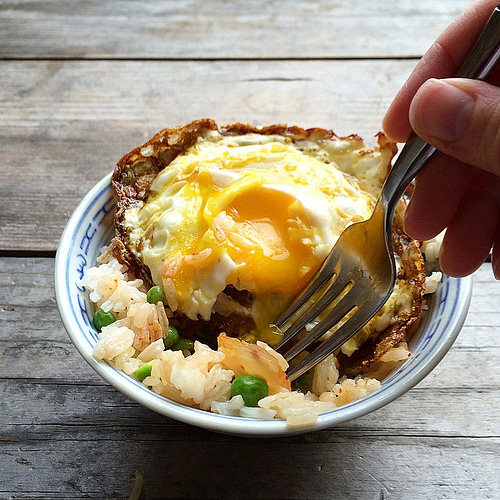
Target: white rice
<point x="431" y="249"/>
<point x="110" y="288"/>
<point x="432" y="282"/>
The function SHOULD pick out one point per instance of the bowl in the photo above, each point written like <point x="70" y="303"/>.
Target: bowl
<point x="91" y="227"/>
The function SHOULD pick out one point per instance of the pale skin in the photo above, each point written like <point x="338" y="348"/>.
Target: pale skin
<point x="459" y="188"/>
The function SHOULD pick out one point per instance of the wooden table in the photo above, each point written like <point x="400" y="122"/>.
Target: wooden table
<point x="83" y="83"/>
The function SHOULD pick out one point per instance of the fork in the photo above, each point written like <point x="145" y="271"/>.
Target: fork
<point x="359" y="274"/>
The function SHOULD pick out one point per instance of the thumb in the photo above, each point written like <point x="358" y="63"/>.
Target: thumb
<point x="461" y="118"/>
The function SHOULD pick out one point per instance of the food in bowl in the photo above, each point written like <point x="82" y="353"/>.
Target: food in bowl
<point x="217" y="229"/>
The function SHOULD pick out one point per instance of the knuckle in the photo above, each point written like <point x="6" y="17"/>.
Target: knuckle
<point x="489" y="142"/>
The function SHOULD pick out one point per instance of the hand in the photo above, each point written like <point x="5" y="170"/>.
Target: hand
<point x="459" y="187"/>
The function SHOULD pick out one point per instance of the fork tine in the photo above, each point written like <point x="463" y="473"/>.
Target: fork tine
<point x="344" y="333"/>
<point x="333" y="317"/>
<point x="316" y="282"/>
<point x="326" y="298"/>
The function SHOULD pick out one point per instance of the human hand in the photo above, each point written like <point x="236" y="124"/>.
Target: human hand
<point x="459" y="187"/>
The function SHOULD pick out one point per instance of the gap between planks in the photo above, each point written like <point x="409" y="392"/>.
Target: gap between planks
<point x="464" y="389"/>
<point x="339" y="433"/>
<point x="411" y="57"/>
<point x="24" y="254"/>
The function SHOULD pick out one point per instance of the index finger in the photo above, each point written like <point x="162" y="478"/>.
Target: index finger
<point x="442" y="60"/>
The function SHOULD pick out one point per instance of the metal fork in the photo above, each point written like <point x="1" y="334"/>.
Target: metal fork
<point x="360" y="271"/>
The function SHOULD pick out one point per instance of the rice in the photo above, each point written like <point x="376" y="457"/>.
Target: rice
<point x="110" y="288"/>
<point x="431" y="249"/>
<point x="297" y="408"/>
<point x="115" y="347"/>
<point x="325" y="375"/>
<point x="147" y="322"/>
<point x="432" y="282"/>
<point x="195" y="380"/>
<point x="348" y="390"/>
<point x="200" y="379"/>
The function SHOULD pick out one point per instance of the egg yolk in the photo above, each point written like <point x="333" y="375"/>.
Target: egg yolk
<point x="263" y="231"/>
<point x="260" y="237"/>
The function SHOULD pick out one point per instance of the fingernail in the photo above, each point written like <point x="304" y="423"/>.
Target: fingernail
<point x="496" y="269"/>
<point x="441" y="110"/>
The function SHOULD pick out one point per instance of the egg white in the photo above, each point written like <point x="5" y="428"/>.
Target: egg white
<point x="324" y="184"/>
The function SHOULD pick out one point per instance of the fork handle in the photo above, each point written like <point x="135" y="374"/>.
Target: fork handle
<point x="478" y="64"/>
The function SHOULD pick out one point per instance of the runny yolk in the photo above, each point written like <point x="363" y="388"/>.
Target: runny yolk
<point x="269" y="242"/>
<point x="264" y="231"/>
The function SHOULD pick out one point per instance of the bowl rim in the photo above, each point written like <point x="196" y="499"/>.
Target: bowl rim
<point x="221" y="423"/>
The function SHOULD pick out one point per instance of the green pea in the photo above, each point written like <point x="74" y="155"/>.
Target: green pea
<point x="156" y="294"/>
<point x="102" y="318"/>
<point x="303" y="382"/>
<point x="143" y="371"/>
<point x="171" y="338"/>
<point x="252" y="389"/>
<point x="183" y="345"/>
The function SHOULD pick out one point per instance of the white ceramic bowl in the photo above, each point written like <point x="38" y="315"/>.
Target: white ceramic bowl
<point x="91" y="227"/>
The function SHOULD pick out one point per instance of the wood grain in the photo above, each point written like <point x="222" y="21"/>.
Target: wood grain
<point x="80" y="438"/>
<point x="88" y="406"/>
<point x="82" y="83"/>
<point x="65" y="124"/>
<point x="214" y="29"/>
<point x="327" y="466"/>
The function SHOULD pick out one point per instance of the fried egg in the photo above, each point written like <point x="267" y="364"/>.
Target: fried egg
<point x="258" y="212"/>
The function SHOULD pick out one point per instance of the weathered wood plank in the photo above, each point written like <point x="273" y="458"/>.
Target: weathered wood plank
<point x="65" y="124"/>
<point x="48" y="383"/>
<point x="75" y="437"/>
<point x="48" y="410"/>
<point x="55" y="359"/>
<point x="216" y="29"/>
<point x="31" y="330"/>
<point x="64" y="432"/>
<point x="27" y="295"/>
<point x="334" y="467"/>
